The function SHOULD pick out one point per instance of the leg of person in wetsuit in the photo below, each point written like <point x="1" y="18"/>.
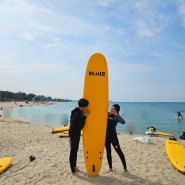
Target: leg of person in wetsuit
<point x="108" y="151"/>
<point x="74" y="141"/>
<point x="116" y="145"/>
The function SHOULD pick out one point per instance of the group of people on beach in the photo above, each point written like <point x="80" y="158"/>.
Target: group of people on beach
<point x="77" y="122"/>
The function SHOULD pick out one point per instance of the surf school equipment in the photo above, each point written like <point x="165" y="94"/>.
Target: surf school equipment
<point x="64" y="134"/>
<point x="151" y="131"/>
<point x="182" y="136"/>
<point x="176" y="153"/>
<point x="5" y="162"/>
<point x="61" y="129"/>
<point x="94" y="132"/>
<point x="164" y="134"/>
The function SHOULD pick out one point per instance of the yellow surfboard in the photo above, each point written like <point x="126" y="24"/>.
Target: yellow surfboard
<point x="164" y="134"/>
<point x="5" y="162"/>
<point x="64" y="134"/>
<point x="176" y="153"/>
<point x="55" y="130"/>
<point x="94" y="132"/>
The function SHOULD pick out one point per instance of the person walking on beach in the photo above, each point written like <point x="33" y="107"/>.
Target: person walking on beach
<point x="77" y="122"/>
<point x="179" y="115"/>
<point x="111" y="136"/>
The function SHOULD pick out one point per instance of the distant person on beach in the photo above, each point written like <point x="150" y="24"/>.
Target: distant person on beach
<point x="179" y="115"/>
<point x="77" y="122"/>
<point x="111" y="136"/>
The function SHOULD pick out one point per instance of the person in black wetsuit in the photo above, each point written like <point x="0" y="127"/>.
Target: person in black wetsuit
<point x="77" y="122"/>
<point x="111" y="136"/>
<point x="179" y="115"/>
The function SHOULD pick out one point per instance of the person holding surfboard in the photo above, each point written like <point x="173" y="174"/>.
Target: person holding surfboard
<point x="77" y="122"/>
<point x="111" y="136"/>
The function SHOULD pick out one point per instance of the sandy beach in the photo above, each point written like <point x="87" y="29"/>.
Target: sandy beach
<point x="147" y="163"/>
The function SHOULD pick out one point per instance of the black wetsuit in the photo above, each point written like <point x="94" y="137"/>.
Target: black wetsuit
<point x="111" y="138"/>
<point x="179" y="115"/>
<point x="77" y="122"/>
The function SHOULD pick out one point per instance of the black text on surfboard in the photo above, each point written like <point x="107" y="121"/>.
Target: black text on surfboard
<point x="96" y="73"/>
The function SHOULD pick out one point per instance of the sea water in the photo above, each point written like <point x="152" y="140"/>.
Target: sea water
<point x="138" y="116"/>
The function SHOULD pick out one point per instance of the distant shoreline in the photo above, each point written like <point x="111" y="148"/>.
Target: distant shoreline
<point x="5" y="107"/>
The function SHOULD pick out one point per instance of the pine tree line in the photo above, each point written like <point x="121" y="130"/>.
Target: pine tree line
<point x="21" y="96"/>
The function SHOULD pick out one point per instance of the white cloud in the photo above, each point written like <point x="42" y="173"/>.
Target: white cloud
<point x="182" y="12"/>
<point x="150" y="19"/>
<point x="6" y="66"/>
<point x="44" y="41"/>
<point x="107" y="3"/>
<point x="127" y="71"/>
<point x="35" y="30"/>
<point x="54" y="43"/>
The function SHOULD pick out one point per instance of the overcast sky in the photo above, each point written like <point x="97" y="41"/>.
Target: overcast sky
<point x="45" y="46"/>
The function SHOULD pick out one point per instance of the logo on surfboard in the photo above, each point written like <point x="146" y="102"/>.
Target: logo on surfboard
<point x="96" y="73"/>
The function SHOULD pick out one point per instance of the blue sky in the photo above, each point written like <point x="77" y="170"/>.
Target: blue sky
<point x="45" y="46"/>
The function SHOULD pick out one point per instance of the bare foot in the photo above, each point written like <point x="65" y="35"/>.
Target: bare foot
<point x="125" y="171"/>
<point x="109" y="171"/>
<point x="76" y="169"/>
<point x="74" y="173"/>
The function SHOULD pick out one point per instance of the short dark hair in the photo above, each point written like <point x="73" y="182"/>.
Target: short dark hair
<point x="83" y="102"/>
<point x="117" y="107"/>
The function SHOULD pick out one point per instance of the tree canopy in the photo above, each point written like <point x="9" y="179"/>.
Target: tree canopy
<point x="21" y="96"/>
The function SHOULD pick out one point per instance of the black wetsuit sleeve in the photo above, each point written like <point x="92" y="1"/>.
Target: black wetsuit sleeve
<point x="120" y="119"/>
<point x="77" y="120"/>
